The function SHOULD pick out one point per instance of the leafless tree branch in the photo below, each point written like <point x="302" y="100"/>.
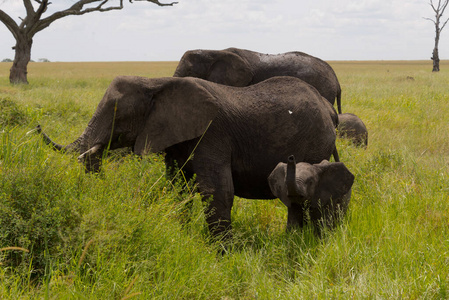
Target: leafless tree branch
<point x="157" y="2"/>
<point x="29" y="7"/>
<point x="32" y="21"/>
<point x="9" y="23"/>
<point x="441" y="29"/>
<point x="79" y="8"/>
<point x="429" y="19"/>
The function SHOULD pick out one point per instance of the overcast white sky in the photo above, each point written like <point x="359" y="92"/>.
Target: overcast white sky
<point x="329" y="29"/>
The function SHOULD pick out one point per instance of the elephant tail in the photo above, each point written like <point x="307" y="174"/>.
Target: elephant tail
<point x="335" y="154"/>
<point x="339" y="100"/>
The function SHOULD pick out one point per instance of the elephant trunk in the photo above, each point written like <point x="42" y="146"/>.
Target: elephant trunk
<point x="74" y="146"/>
<point x="292" y="188"/>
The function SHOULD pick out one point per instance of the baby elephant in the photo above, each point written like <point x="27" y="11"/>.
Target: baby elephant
<point x="319" y="192"/>
<point x="350" y="126"/>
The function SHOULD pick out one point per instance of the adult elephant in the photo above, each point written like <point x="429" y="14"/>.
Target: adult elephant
<point x="236" y="143"/>
<point x="240" y="67"/>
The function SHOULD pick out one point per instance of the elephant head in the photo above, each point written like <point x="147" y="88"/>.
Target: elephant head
<point x="352" y="127"/>
<point x="222" y="67"/>
<point x="148" y="115"/>
<point x="323" y="189"/>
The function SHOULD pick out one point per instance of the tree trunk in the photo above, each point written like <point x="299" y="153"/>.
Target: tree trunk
<point x="435" y="56"/>
<point x="436" y="60"/>
<point x="18" y="71"/>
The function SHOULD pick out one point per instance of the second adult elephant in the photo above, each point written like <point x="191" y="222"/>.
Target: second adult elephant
<point x="240" y="67"/>
<point x="237" y="135"/>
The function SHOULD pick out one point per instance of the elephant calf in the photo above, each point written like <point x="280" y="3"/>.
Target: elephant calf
<point x="237" y="134"/>
<point x="352" y="127"/>
<point x="316" y="192"/>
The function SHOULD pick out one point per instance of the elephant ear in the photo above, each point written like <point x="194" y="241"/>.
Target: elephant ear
<point x="277" y="184"/>
<point x="335" y="182"/>
<point x="230" y="69"/>
<point x="181" y="110"/>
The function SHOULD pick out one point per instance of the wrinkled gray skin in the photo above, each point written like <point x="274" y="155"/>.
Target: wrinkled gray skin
<point x="352" y="127"/>
<point x="316" y="192"/>
<point x="239" y="67"/>
<point x="240" y="134"/>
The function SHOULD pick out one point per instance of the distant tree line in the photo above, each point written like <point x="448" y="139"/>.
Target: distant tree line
<point x="8" y="60"/>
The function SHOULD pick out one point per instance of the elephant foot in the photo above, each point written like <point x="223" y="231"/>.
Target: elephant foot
<point x="220" y="230"/>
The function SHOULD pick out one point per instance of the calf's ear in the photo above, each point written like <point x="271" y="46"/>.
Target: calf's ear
<point x="182" y="109"/>
<point x="277" y="183"/>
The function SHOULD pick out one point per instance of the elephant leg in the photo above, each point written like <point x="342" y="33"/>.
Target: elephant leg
<point x="217" y="190"/>
<point x="182" y="179"/>
<point x="295" y="217"/>
<point x="174" y="173"/>
<point x="171" y="166"/>
<point x="323" y="219"/>
<point x="177" y="164"/>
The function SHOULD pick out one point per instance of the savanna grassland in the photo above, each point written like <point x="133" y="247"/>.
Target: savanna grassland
<point x="126" y="233"/>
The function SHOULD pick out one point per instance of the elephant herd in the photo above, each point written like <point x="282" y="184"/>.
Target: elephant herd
<point x="260" y="126"/>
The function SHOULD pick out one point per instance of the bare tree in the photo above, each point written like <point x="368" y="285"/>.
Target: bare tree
<point x="439" y="10"/>
<point x="35" y="21"/>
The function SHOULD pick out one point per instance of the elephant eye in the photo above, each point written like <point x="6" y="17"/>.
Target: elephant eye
<point x="309" y="185"/>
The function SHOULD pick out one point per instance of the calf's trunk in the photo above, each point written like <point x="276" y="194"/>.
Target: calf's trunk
<point x="292" y="187"/>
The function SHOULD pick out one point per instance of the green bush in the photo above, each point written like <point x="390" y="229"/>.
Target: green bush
<point x="10" y="113"/>
<point x="38" y="213"/>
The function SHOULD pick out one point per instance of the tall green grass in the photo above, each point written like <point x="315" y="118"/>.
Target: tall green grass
<point x="126" y="233"/>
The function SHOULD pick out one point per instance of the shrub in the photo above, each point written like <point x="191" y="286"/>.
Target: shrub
<point x="37" y="213"/>
<point x="10" y="113"/>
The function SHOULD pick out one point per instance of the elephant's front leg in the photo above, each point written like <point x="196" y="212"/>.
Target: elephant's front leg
<point x="217" y="189"/>
<point x="295" y="216"/>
